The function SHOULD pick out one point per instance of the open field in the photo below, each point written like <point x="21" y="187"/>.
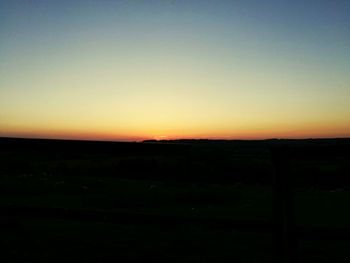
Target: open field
<point x="188" y="205"/>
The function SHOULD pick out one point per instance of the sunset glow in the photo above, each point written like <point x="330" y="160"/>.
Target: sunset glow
<point x="135" y="70"/>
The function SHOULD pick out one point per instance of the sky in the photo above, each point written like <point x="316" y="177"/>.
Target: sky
<point x="134" y="70"/>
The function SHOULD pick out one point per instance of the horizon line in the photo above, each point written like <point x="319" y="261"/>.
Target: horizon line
<point x="169" y="140"/>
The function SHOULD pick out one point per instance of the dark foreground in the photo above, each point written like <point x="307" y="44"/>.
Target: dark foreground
<point x="178" y="201"/>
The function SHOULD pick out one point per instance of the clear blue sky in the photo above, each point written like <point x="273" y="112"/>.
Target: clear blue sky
<point x="170" y="69"/>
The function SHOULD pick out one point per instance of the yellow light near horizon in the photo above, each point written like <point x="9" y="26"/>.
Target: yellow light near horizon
<point x="143" y="75"/>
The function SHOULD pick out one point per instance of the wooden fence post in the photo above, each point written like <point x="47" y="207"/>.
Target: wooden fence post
<point x="285" y="236"/>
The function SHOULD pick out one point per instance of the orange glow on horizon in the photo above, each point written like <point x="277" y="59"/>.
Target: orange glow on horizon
<point x="312" y="131"/>
<point x="133" y="70"/>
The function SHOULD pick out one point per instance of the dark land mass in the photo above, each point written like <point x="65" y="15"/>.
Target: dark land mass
<point x="170" y="201"/>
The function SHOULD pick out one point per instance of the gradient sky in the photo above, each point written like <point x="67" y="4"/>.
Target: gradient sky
<point x="132" y="70"/>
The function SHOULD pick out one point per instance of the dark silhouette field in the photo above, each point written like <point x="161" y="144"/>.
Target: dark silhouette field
<point x="172" y="201"/>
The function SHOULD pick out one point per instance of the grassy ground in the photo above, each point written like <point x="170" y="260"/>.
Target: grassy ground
<point x="43" y="240"/>
<point x="236" y="183"/>
<point x="313" y="206"/>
